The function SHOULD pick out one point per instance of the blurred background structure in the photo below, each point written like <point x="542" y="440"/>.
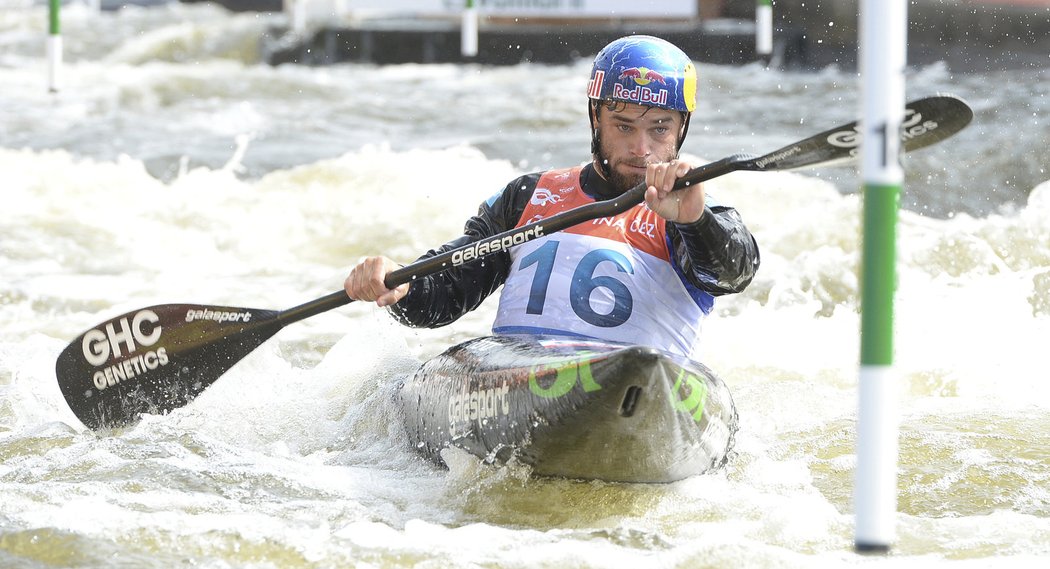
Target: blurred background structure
<point x="968" y="35"/>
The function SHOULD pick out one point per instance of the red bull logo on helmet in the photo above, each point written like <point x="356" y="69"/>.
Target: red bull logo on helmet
<point x="643" y="93"/>
<point x="643" y="75"/>
<point x="640" y="95"/>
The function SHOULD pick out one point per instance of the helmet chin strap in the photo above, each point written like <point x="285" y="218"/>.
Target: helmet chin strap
<point x="685" y="131"/>
<point x="596" y="143"/>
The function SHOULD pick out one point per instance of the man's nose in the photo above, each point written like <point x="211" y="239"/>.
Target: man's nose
<point x="640" y="145"/>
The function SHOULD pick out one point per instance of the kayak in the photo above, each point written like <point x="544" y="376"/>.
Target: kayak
<point x="571" y="408"/>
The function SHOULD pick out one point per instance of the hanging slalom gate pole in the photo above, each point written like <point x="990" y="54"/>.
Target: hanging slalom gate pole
<point x="297" y="15"/>
<point x="764" y="29"/>
<point x="883" y="41"/>
<point x="469" y="30"/>
<point x="54" y="46"/>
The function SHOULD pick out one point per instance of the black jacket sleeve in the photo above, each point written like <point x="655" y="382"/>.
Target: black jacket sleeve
<point x="442" y="298"/>
<point x="717" y="253"/>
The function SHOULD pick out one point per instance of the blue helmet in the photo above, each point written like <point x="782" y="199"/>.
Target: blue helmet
<point x="645" y="70"/>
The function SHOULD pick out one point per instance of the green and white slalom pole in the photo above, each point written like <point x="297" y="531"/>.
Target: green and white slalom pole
<point x="883" y="41"/>
<point x="764" y="29"/>
<point x="468" y="37"/>
<point x="54" y="46"/>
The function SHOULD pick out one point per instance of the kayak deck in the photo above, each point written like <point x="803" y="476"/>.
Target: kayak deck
<point x="572" y="408"/>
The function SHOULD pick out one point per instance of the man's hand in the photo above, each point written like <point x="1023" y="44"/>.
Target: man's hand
<point x="365" y="282"/>
<point x="683" y="206"/>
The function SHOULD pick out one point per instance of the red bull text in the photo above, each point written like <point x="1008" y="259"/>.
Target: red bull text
<point x="639" y="94"/>
<point x="641" y="76"/>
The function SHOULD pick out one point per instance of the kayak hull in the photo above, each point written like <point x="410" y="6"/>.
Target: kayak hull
<point x="572" y="408"/>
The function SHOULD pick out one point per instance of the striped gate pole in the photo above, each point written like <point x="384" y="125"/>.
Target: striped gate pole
<point x="764" y="29"/>
<point x="883" y="37"/>
<point x="297" y="15"/>
<point x="54" y="46"/>
<point x="469" y="31"/>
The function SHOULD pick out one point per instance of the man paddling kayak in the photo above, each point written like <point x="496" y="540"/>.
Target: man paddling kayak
<point x="648" y="275"/>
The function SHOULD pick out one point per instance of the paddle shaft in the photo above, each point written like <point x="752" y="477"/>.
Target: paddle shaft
<point x="930" y="120"/>
<point x="469" y="252"/>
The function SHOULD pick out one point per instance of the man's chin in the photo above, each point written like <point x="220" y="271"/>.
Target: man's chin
<point x="624" y="182"/>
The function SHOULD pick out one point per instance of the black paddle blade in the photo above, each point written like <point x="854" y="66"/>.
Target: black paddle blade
<point x="933" y="119"/>
<point x="926" y="121"/>
<point x="155" y="359"/>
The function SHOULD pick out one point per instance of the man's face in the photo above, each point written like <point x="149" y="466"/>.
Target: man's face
<point x="633" y="136"/>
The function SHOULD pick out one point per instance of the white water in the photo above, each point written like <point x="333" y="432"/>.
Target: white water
<point x="174" y="168"/>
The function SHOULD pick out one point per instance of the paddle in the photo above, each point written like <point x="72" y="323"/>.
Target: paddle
<point x="159" y="358"/>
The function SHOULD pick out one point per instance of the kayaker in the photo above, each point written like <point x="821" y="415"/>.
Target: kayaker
<point x="646" y="276"/>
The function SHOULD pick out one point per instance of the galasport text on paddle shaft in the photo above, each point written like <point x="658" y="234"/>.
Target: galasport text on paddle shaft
<point x="157" y="359"/>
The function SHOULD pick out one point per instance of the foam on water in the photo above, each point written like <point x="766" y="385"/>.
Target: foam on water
<point x="970" y="303"/>
<point x="305" y="421"/>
